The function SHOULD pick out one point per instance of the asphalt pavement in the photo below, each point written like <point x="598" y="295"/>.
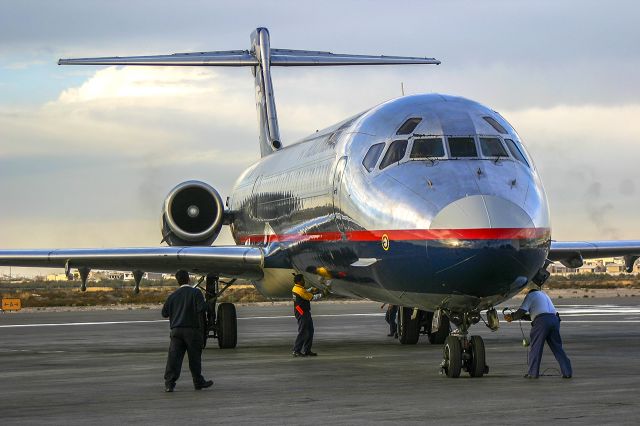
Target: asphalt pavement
<point x="106" y="367"/>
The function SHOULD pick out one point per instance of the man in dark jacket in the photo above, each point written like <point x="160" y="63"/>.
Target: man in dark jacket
<point x="184" y="308"/>
<point x="302" y="311"/>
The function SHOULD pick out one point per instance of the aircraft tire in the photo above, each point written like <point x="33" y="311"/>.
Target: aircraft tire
<point x="439" y="337"/>
<point x="452" y="355"/>
<point x="478" y="360"/>
<point x="227" y="326"/>
<point x="408" y="329"/>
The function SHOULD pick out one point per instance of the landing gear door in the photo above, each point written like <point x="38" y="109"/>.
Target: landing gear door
<point x="338" y="192"/>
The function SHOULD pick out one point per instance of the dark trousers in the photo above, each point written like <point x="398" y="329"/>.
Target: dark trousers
<point x="189" y="340"/>
<point x="305" y="334"/>
<point x="390" y="317"/>
<point x="546" y="328"/>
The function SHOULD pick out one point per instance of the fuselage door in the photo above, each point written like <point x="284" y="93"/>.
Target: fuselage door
<point x="338" y="192"/>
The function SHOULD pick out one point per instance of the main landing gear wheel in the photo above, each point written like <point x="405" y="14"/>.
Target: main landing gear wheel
<point x="227" y="326"/>
<point x="452" y="357"/>
<point x="408" y="328"/>
<point x="439" y="337"/>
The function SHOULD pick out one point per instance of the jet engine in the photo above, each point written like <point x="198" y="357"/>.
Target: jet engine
<point x="192" y="215"/>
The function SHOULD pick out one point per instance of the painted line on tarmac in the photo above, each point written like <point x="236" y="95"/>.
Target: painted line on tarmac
<point x="272" y="317"/>
<point x="317" y="316"/>
<point x="164" y="320"/>
<point x="80" y="323"/>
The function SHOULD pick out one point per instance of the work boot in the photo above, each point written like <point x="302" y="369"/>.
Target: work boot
<point x="203" y="385"/>
<point x="310" y="354"/>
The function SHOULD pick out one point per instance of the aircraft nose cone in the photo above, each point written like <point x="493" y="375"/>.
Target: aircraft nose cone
<point x="482" y="212"/>
<point x="487" y="246"/>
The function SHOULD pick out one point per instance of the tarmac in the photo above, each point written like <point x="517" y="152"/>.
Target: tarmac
<point x="106" y="367"/>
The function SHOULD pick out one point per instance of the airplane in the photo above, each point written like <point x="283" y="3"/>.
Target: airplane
<point x="429" y="201"/>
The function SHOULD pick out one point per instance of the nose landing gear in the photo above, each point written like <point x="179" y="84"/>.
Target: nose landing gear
<point x="462" y="352"/>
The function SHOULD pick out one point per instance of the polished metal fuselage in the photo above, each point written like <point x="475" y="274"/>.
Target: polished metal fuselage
<point x="459" y="233"/>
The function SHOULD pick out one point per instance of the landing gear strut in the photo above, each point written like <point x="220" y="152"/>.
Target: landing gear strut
<point x="461" y="352"/>
<point x="220" y="324"/>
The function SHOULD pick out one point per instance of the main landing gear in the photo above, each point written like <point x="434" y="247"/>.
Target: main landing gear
<point x="221" y="325"/>
<point x="462" y="352"/>
<point x="414" y="322"/>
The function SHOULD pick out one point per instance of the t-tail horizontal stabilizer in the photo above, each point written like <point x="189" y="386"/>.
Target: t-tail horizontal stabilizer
<point x="261" y="57"/>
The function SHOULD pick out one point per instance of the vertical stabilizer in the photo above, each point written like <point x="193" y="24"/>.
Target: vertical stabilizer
<point x="260" y="58"/>
<point x="265" y="99"/>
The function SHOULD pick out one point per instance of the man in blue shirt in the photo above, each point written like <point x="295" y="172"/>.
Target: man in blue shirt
<point x="545" y="326"/>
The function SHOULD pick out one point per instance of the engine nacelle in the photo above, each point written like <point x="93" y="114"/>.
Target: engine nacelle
<point x="192" y="215"/>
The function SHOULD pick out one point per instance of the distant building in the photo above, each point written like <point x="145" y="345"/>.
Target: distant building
<point x="587" y="269"/>
<point x="57" y="277"/>
<point x="560" y="269"/>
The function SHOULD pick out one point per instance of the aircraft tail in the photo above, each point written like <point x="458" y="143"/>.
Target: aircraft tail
<point x="261" y="57"/>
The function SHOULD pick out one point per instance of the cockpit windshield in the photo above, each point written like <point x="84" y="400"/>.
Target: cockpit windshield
<point x="436" y="148"/>
<point x="462" y="147"/>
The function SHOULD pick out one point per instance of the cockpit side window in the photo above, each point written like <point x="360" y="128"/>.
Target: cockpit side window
<point x="492" y="147"/>
<point x="462" y="147"/>
<point x="497" y="126"/>
<point x="515" y="151"/>
<point x="409" y="126"/>
<point x="427" y="148"/>
<point x="370" y="160"/>
<point x="394" y="154"/>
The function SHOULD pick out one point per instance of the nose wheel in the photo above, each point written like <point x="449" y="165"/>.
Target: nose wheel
<point x="461" y="352"/>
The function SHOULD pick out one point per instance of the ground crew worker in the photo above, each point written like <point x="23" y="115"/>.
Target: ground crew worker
<point x="545" y="326"/>
<point x="302" y="311"/>
<point x="390" y="317"/>
<point x="185" y="308"/>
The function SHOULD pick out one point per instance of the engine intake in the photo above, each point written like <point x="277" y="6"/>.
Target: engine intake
<point x="192" y="214"/>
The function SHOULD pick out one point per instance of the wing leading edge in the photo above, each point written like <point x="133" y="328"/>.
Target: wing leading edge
<point x="229" y="261"/>
<point x="572" y="253"/>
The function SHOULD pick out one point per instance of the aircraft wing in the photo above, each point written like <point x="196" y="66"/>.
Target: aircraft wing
<point x="571" y="253"/>
<point x="228" y="261"/>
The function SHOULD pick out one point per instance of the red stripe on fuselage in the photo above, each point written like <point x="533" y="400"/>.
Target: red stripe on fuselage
<point x="407" y="235"/>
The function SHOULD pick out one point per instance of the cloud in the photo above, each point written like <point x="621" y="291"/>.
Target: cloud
<point x="586" y="156"/>
<point x="104" y="154"/>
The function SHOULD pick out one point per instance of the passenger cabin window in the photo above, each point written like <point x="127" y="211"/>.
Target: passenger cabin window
<point x="427" y="148"/>
<point x="409" y="126"/>
<point x="492" y="147"/>
<point x="515" y="151"/>
<point x="462" y="147"/>
<point x="370" y="160"/>
<point x="496" y="125"/>
<point x="394" y="153"/>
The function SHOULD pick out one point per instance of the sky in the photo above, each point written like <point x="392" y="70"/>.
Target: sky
<point x="87" y="154"/>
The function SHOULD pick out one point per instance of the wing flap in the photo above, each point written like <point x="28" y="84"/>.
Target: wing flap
<point x="229" y="261"/>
